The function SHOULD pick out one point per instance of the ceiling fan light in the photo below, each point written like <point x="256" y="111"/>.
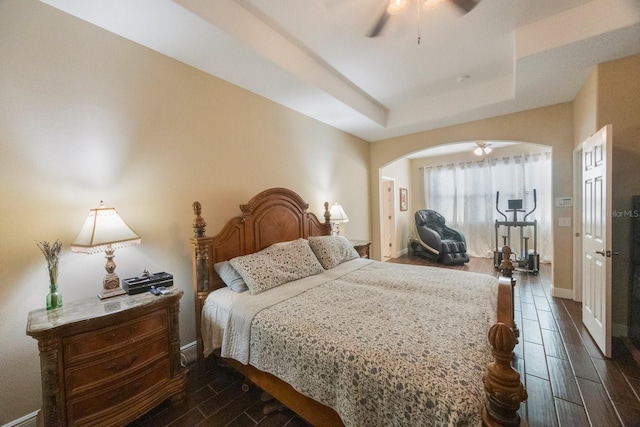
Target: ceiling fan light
<point x="397" y="6"/>
<point x="487" y="150"/>
<point x="478" y="151"/>
<point x="431" y="4"/>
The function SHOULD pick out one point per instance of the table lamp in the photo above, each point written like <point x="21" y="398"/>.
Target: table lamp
<point x="338" y="216"/>
<point x="104" y="230"/>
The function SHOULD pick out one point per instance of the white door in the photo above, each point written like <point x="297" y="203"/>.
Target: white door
<point x="596" y="237"/>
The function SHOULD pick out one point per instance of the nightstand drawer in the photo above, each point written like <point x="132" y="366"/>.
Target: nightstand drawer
<point x="87" y="410"/>
<point x="92" y="344"/>
<point x="82" y="378"/>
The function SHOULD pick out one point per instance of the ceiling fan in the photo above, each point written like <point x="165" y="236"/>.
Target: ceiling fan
<point x="396" y="7"/>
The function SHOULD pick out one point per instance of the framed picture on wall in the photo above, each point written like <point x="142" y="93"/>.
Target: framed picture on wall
<point x="403" y="199"/>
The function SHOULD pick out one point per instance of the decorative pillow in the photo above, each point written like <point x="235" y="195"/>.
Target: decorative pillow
<point x="277" y="265"/>
<point x="332" y="250"/>
<point x="230" y="276"/>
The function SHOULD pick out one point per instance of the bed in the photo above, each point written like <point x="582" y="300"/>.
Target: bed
<point x="342" y="340"/>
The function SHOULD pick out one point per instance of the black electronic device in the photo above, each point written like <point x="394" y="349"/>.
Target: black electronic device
<point x="144" y="282"/>
<point x="515" y="204"/>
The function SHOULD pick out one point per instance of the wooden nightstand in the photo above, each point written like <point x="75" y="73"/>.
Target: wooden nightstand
<point x="362" y="247"/>
<point x="106" y="362"/>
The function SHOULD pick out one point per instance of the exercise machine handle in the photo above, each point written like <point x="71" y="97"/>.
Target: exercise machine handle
<point x="535" y="205"/>
<point x="498" y="204"/>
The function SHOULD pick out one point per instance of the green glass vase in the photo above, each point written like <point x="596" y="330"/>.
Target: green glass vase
<point x="54" y="299"/>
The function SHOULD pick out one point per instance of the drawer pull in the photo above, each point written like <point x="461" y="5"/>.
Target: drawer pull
<point x="109" y="337"/>
<point x="121" y="366"/>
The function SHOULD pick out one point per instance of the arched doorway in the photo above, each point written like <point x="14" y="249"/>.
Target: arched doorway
<point x="480" y="228"/>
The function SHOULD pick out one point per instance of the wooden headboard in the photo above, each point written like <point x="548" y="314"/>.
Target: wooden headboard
<point x="274" y="215"/>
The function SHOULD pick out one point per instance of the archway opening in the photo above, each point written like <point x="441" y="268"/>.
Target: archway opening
<point x="461" y="185"/>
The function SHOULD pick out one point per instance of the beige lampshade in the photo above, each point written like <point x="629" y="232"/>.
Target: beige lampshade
<point x="338" y="214"/>
<point x="103" y="227"/>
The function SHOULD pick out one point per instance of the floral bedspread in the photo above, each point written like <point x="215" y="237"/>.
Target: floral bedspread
<point x="385" y="345"/>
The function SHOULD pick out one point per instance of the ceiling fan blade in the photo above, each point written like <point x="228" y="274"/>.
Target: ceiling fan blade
<point x="375" y="31"/>
<point x="466" y="5"/>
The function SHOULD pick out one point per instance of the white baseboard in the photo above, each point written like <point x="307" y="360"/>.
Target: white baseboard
<point x="561" y="292"/>
<point x="28" y="420"/>
<point x="188" y="353"/>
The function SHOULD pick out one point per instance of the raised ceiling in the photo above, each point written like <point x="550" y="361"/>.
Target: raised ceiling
<point x="314" y="57"/>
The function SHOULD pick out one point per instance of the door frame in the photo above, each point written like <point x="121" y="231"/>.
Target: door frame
<point x="387" y="246"/>
<point x="577" y="223"/>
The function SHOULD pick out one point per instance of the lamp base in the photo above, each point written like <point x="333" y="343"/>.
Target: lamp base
<point x="335" y="229"/>
<point x="108" y="293"/>
<point x="111" y="286"/>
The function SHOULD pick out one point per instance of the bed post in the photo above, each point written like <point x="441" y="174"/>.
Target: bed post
<point x="506" y="270"/>
<point x="502" y="383"/>
<point x="328" y="227"/>
<point x="201" y="274"/>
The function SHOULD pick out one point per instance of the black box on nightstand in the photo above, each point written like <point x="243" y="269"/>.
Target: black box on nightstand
<point x="144" y="282"/>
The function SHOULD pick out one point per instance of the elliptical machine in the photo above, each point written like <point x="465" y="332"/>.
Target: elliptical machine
<point x="527" y="260"/>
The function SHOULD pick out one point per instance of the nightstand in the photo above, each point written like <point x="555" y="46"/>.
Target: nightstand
<point x="362" y="247"/>
<point x="106" y="362"/>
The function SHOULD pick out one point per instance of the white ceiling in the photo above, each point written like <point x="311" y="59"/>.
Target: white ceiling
<point x="314" y="57"/>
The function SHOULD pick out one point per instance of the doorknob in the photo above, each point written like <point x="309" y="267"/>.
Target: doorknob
<point x="606" y="253"/>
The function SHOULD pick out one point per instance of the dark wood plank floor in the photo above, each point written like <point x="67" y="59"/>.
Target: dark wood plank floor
<point x="568" y="380"/>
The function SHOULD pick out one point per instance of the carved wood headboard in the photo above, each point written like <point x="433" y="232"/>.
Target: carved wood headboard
<point x="274" y="215"/>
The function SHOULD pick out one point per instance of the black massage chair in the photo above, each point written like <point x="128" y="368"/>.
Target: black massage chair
<point x="437" y="240"/>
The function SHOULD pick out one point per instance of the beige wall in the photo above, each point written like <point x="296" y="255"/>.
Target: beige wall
<point x="86" y="115"/>
<point x="551" y="126"/>
<point x="584" y="110"/>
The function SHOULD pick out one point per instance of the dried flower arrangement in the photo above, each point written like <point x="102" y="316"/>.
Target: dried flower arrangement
<point x="51" y="253"/>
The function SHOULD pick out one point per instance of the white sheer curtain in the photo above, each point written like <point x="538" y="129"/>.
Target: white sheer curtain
<point x="465" y="194"/>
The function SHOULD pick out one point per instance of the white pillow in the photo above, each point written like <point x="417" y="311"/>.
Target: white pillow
<point x="277" y="265"/>
<point x="230" y="276"/>
<point x="332" y="250"/>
